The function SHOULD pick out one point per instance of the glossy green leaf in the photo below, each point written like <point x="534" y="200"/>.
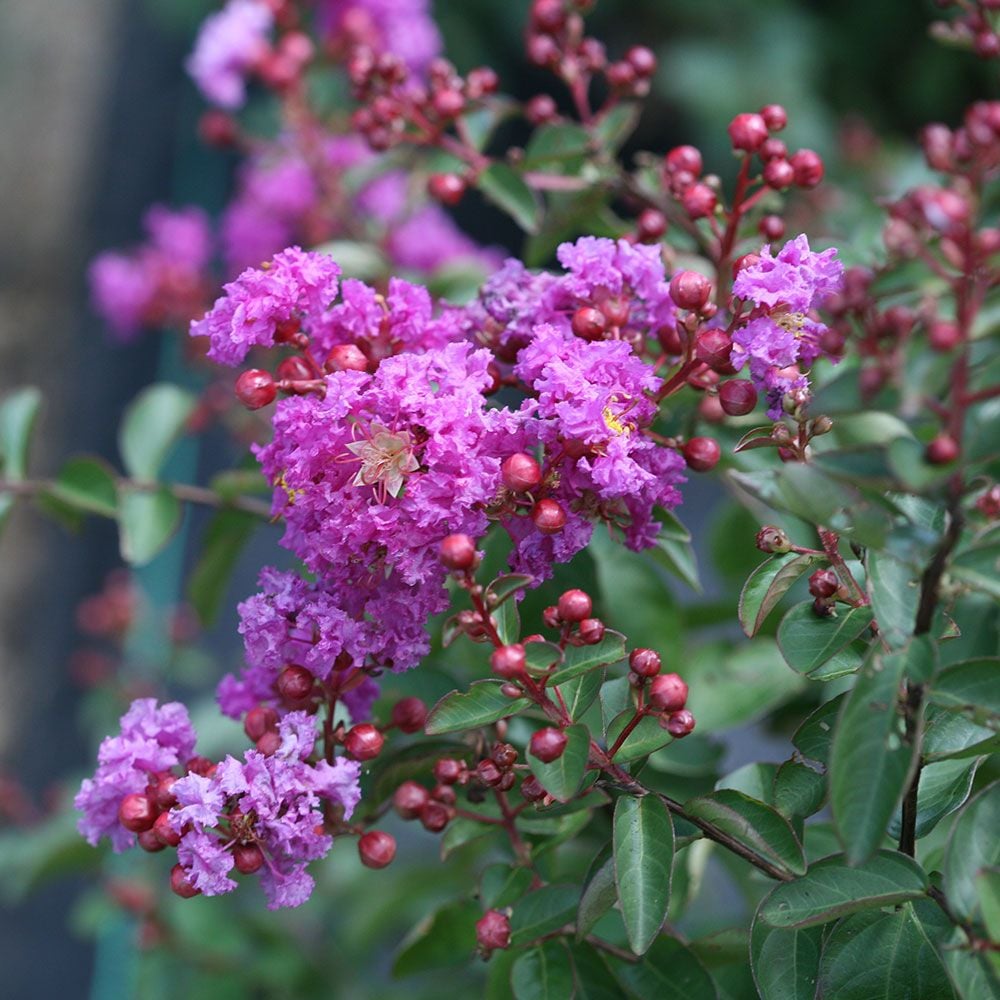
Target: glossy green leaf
<point x="754" y="824"/>
<point x="462" y="831"/>
<point x="579" y="693"/>
<point x="501" y="885"/>
<point x="544" y="973"/>
<point x="443" y="939"/>
<point x="18" y="413"/>
<point x="799" y="791"/>
<point x="507" y="621"/>
<point x="594" y="980"/>
<point x="615" y="126"/>
<point x="870" y="761"/>
<point x="541" y="912"/>
<point x="482" y="704"/>
<point x="678" y="558"/>
<point x="894" y="596"/>
<point x="833" y="889"/>
<point x="669" y="971"/>
<point x="647" y="737"/>
<point x="755" y="779"/>
<point x="559" y="148"/>
<point x="972" y="686"/>
<point x="988" y="892"/>
<point x="973" y="847"/>
<point x="579" y="659"/>
<point x="541" y="656"/>
<point x="954" y="734"/>
<point x="504" y="187"/>
<point x="944" y="786"/>
<point x="88" y="484"/>
<point x="643" y="854"/>
<point x="505" y="586"/>
<point x="785" y="962"/>
<point x="821" y="647"/>
<point x="147" y="521"/>
<point x="979" y="568"/>
<point x="561" y="777"/>
<point x="152" y="423"/>
<point x="225" y="536"/>
<point x="882" y="957"/>
<point x="600" y="892"/>
<point x="768" y="583"/>
<point x="815" y="736"/>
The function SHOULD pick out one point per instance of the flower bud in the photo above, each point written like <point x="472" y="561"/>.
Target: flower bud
<point x="449" y="189"/>
<point x="295" y="683"/>
<point x="779" y="174"/>
<point x="942" y="450"/>
<point x="772" y="539"/>
<point x="259" y="720"/>
<point x="808" y="168"/>
<point x="376" y="848"/>
<point x="488" y="772"/>
<point x="409" y="799"/>
<point x="444" y="794"/>
<point x="137" y="812"/>
<point x="346" y="358"/>
<point x="690" y="290"/>
<point x="702" y="453"/>
<point x="269" y="743"/>
<point x="737" y="397"/>
<point x="547" y="744"/>
<point x="180" y="882"/>
<point x="824" y="583"/>
<point x="508" y="661"/>
<point x="699" y="201"/>
<point x="548" y="516"/>
<point x="747" y="132"/>
<point x="435" y="816"/>
<point x="775" y="117"/>
<point x="574" y="606"/>
<point x="686" y="159"/>
<point x="149" y="842"/>
<point x="168" y="836"/>
<point x="713" y="348"/>
<point x="820" y="426"/>
<point x="645" y="662"/>
<point x="541" y="110"/>
<point x="248" y="858"/>
<point x="255" y="388"/>
<point x="458" y="552"/>
<point x="409" y="715"/>
<point x="591" y="631"/>
<point x="668" y="692"/>
<point x="771" y="227"/>
<point x="944" y="336"/>
<point x="650" y="225"/>
<point x="531" y="789"/>
<point x="504" y="755"/>
<point x="364" y="741"/>
<point x="448" y="771"/>
<point x="163" y="793"/>
<point x="642" y="60"/>
<point x="520" y="472"/>
<point x="679" y="724"/>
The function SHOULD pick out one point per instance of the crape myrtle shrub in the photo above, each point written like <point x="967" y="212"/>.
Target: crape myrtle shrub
<point x="477" y="465"/>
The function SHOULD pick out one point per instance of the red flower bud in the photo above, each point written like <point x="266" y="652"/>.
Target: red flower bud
<point x="409" y="715"/>
<point x="713" y="348"/>
<point x="376" y="848"/>
<point x="346" y="358"/>
<point x="493" y="931"/>
<point x="509" y="661"/>
<point x="772" y="539"/>
<point x="458" y="552"/>
<point x="702" y="453"/>
<point x="260" y="720"/>
<point x="531" y="789"/>
<point x="808" y="168"/>
<point x="295" y="683"/>
<point x="690" y="290"/>
<point x="643" y="60"/>
<point x="942" y="450"/>
<point x="548" y="516"/>
<point x="547" y="744"/>
<point x="747" y="132"/>
<point x="488" y="772"/>
<point x="409" y="799"/>
<point x="435" y="817"/>
<point x="255" y="388"/>
<point x="137" y="812"/>
<point x="737" y="397"/>
<point x="650" y="225"/>
<point x="684" y="159"/>
<point x="247" y="858"/>
<point x="645" y="662"/>
<point x="679" y="724"/>
<point x="779" y="174"/>
<point x="944" y="336"/>
<point x="149" y="842"/>
<point x="165" y="832"/>
<point x="591" y="631"/>
<point x="574" y="606"/>
<point x="448" y="771"/>
<point x="521" y="473"/>
<point x="541" y="110"/>
<point x="699" y="201"/>
<point x="771" y="227"/>
<point x="180" y="884"/>
<point x="668" y="692"/>
<point x="364" y="741"/>
<point x="775" y="117"/>
<point x="824" y="583"/>
<point x="448" y="189"/>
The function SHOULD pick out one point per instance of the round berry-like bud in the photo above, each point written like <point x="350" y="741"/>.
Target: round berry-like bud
<point x="547" y="744"/>
<point x="504" y="755"/>
<point x="248" y="858"/>
<point x="574" y="606"/>
<point x="295" y="683"/>
<point x="942" y="450"/>
<point x="589" y="323"/>
<point x="747" y="132"/>
<point x="521" y="473"/>
<point x="294" y="369"/>
<point x="771" y="227"/>
<point x="448" y="771"/>
<point x="259" y="720"/>
<point x="168" y="836"/>
<point x="481" y="81"/>
<point x="822" y="607"/>
<point x="542" y="50"/>
<point x="376" y="848"/>
<point x="669" y="340"/>
<point x="944" y="336"/>
<point x="548" y="516"/>
<point x="679" y="724"/>
<point x="808" y="167"/>
<point x="773" y="149"/>
<point x="435" y="816"/>
<point x="216" y="128"/>
<point x="488" y="772"/>
<point x="616" y="310"/>
<point x="645" y="662"/>
<point x="448" y="102"/>
<point x="506" y="782"/>
<point x="149" y="842"/>
<point x="444" y="794"/>
<point x="988" y="503"/>
<point x="824" y="583"/>
<point x="702" y="453"/>
<point x="550" y="617"/>
<point x="449" y="189"/>
<point x="531" y="789"/>
<point x="772" y="539"/>
<point x="779" y="174"/>
<point x="458" y="552"/>
<point x="690" y="290"/>
<point x="364" y="741"/>
<point x="269" y="743"/>
<point x="409" y="715"/>
<point x="986" y="45"/>
<point x="409" y="799"/>
<point x="668" y="692"/>
<point x="180" y="883"/>
<point x="775" y="117"/>
<point x="642" y="59"/>
<point x="346" y="358"/>
<point x="137" y="812"/>
<point x="508" y="661"/>
<point x="541" y="110"/>
<point x="163" y="793"/>
<point x="591" y="631"/>
<point x="710" y="410"/>
<point x="684" y="159"/>
<point x="621" y="76"/>
<point x="699" y="201"/>
<point x="493" y="931"/>
<point x="713" y="348"/>
<point x="509" y="690"/>
<point x="821" y="425"/>
<point x="548" y="15"/>
<point x="737" y="397"/>
<point x="255" y="388"/>
<point x="650" y="225"/>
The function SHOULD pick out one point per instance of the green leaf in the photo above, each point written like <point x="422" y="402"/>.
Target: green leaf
<point x="810" y="494"/>
<point x="224" y="538"/>
<point x="614" y="127"/>
<point x="799" y="791"/>
<point x="670" y="971"/>
<point x="152" y="423"/>
<point x="814" y="737"/>
<point x="462" y="831"/>
<point x="88" y="484"/>
<point x="832" y="889"/>
<point x="679" y="559"/>
<point x="505" y="585"/>
<point x="768" y="583"/>
<point x="882" y="957"/>
<point x="579" y="659"/>
<point x="505" y="188"/>
<point x="870" y="761"/>
<point x="541" y="656"/>
<point x="594" y="980"/>
<point x="943" y="787"/>
<point x="894" y="595"/>
<point x="600" y="892"/>
<point x="647" y="737"/>
<point x="560" y="148"/>
<point x="988" y="891"/>
<point x="643" y="854"/>
<point x="785" y="962"/>
<point x="979" y="568"/>
<point x="544" y="973"/>
<point x="445" y="938"/>
<point x="821" y="647"/>
<point x="18" y="413"/>
<point x="507" y="621"/>
<point x="753" y="824"/>
<point x="973" y="847"/>
<point x="482" y="704"/>
<point x="580" y="692"/>
<point x="954" y="734"/>
<point x="501" y="885"/>
<point x="541" y="912"/>
<point x="970" y="687"/>
<point x="147" y="521"/>
<point x="561" y="777"/>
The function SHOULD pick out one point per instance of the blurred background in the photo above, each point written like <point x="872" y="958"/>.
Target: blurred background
<point x="98" y="120"/>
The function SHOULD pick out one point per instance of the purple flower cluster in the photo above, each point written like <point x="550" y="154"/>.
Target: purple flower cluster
<point x="403" y="27"/>
<point x="161" y="281"/>
<point x="229" y="44"/>
<point x="782" y="336"/>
